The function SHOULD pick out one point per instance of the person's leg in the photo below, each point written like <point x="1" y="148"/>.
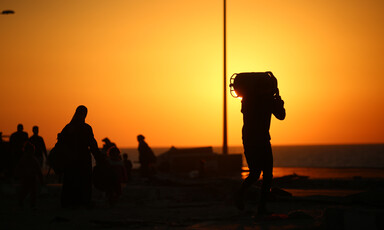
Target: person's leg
<point x="250" y="152"/>
<point x="33" y="193"/>
<point x="64" y="196"/>
<point x="70" y="189"/>
<point x="265" y="188"/>
<point x="252" y="178"/>
<point x="23" y="192"/>
<point x="85" y="185"/>
<point x="267" y="179"/>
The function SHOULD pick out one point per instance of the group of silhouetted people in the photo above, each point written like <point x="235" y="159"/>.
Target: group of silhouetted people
<point x="25" y="157"/>
<point x="110" y="171"/>
<point x="22" y="159"/>
<point x="259" y="102"/>
<point x="13" y="151"/>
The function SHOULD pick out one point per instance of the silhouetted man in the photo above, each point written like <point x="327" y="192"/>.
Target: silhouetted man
<point x="107" y="145"/>
<point x="147" y="158"/>
<point x="128" y="166"/>
<point x="17" y="141"/>
<point x="259" y="102"/>
<point x="29" y="173"/>
<point x="38" y="142"/>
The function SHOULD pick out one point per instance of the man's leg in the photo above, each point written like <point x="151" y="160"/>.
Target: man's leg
<point x="267" y="179"/>
<point x="247" y="183"/>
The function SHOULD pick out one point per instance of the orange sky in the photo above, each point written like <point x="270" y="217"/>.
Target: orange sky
<point x="154" y="67"/>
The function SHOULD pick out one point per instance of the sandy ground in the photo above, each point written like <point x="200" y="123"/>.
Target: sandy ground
<point x="179" y="203"/>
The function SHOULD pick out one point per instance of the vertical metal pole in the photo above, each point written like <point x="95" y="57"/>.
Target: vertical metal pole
<point x="225" y="135"/>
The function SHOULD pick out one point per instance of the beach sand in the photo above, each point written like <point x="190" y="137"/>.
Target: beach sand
<point x="170" y="202"/>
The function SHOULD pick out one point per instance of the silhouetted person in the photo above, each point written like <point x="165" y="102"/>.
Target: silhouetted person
<point x="17" y="141"/>
<point x="147" y="158"/>
<point x="120" y="172"/>
<point x="53" y="162"/>
<point x="77" y="178"/>
<point x="258" y="104"/>
<point x="29" y="173"/>
<point x="38" y="142"/>
<point x="107" y="144"/>
<point x="128" y="166"/>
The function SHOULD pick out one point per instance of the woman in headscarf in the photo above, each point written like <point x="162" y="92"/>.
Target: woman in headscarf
<point x="77" y="181"/>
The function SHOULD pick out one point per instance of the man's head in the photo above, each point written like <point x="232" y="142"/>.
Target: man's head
<point x="35" y="130"/>
<point x="20" y="127"/>
<point x="140" y="138"/>
<point x="106" y="141"/>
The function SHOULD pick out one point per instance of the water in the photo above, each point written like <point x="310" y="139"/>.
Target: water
<point x="315" y="161"/>
<point x="311" y="156"/>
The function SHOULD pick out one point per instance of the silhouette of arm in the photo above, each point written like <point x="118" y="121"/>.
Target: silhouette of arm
<point x="278" y="108"/>
<point x="93" y="146"/>
<point x="124" y="171"/>
<point x="44" y="148"/>
<point x="39" y="172"/>
<point x="12" y="141"/>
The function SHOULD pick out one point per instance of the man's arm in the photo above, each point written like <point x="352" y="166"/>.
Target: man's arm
<point x="93" y="146"/>
<point x="278" y="108"/>
<point x="44" y="148"/>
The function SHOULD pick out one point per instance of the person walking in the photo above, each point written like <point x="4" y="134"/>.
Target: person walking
<point x="38" y="142"/>
<point x="258" y="103"/>
<point x="29" y="174"/>
<point x="77" y="177"/>
<point x="147" y="158"/>
<point x="17" y="141"/>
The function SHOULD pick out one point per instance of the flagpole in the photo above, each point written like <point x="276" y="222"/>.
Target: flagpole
<point x="225" y="131"/>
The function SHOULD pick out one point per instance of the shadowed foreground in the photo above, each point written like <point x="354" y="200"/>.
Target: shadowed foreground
<point x="180" y="203"/>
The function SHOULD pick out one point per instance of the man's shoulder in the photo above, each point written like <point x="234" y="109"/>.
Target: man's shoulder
<point x="87" y="129"/>
<point x="19" y="134"/>
<point x="40" y="138"/>
<point x="87" y="126"/>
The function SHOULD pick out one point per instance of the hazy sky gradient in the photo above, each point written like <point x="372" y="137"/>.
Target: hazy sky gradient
<point x="154" y="67"/>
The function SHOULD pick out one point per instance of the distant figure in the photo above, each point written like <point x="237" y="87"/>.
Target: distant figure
<point x="107" y="144"/>
<point x="17" y="141"/>
<point x="77" y="181"/>
<point x="119" y="169"/>
<point x="147" y="158"/>
<point x="29" y="173"/>
<point x="128" y="166"/>
<point x="38" y="142"/>
<point x="259" y="102"/>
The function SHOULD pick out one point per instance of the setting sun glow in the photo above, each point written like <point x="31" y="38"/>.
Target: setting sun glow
<point x="155" y="68"/>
